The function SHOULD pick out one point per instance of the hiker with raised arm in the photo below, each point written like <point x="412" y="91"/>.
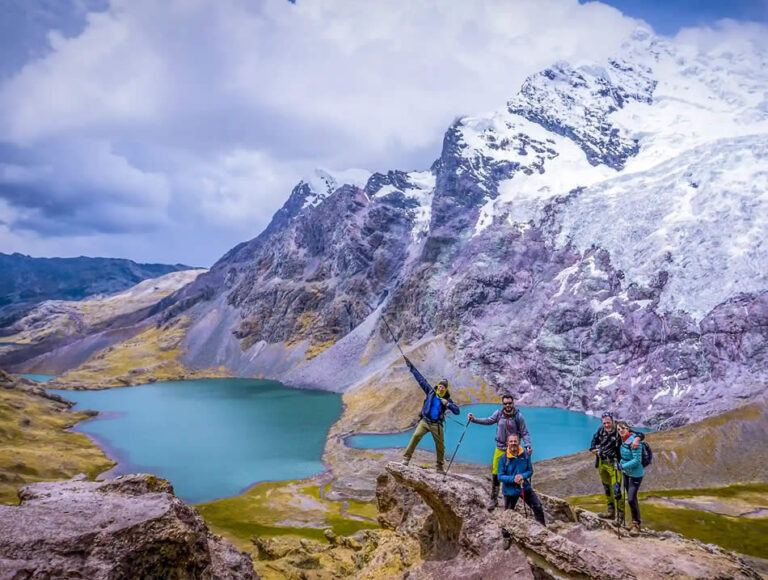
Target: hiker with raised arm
<point x="509" y="421"/>
<point x="432" y="416"/>
<point x="606" y="445"/>
<point x="515" y="470"/>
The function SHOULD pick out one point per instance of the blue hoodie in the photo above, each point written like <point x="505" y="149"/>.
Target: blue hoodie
<point x="510" y="467"/>
<point x="432" y="411"/>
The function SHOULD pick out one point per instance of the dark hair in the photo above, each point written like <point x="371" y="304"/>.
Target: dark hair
<point x="623" y="424"/>
<point x="507" y="396"/>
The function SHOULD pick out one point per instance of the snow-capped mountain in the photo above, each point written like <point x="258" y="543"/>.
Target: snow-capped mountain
<point x="597" y="242"/>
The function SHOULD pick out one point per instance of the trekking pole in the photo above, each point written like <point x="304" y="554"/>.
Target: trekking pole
<point x="525" y="505"/>
<point x="616" y="475"/>
<point x="392" y="334"/>
<point x="457" y="449"/>
<point x="623" y="500"/>
<point x="455" y="421"/>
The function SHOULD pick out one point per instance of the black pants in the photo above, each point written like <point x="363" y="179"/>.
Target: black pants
<point x="632" y="484"/>
<point x="510" y="501"/>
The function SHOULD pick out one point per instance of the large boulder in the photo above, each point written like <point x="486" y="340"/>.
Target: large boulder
<point x="129" y="527"/>
<point x="459" y="538"/>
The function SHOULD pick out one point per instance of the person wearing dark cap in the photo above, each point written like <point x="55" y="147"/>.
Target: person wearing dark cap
<point x="432" y="416"/>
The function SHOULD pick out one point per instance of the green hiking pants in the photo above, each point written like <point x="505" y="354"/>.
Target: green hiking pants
<point x="422" y="429"/>
<point x="610" y="477"/>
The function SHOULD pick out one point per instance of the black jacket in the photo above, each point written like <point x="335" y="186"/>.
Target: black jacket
<point x="608" y="444"/>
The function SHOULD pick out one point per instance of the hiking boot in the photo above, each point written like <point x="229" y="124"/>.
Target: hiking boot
<point x="609" y="514"/>
<point x="493" y="502"/>
<point x="634" y="529"/>
<point x="440" y="469"/>
<point x="507" y="543"/>
<point x="406" y="461"/>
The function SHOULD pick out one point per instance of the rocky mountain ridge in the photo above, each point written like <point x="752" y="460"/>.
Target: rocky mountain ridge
<point x="26" y="281"/>
<point x="595" y="242"/>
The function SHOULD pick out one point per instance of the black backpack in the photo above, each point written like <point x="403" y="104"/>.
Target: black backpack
<point x="647" y="454"/>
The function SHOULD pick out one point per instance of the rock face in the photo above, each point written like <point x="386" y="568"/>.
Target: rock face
<point x="129" y="527"/>
<point x="461" y="539"/>
<point x="92" y="324"/>
<point x="596" y="242"/>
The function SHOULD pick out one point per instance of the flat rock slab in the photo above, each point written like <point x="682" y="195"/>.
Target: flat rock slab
<point x="129" y="527"/>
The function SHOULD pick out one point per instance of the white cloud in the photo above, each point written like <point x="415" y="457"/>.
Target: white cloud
<point x="190" y="120"/>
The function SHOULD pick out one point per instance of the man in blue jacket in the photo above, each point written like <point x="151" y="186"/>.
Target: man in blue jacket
<point x="515" y="470"/>
<point x="432" y="417"/>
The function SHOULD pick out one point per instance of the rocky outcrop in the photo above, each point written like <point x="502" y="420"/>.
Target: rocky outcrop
<point x="436" y="527"/>
<point x="129" y="527"/>
<point x="461" y="539"/>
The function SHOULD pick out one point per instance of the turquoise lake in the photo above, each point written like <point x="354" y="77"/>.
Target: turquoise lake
<point x="554" y="432"/>
<point x="211" y="438"/>
<point x="38" y="378"/>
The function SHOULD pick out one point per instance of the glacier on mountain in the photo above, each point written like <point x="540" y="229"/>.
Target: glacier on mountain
<point x="599" y="240"/>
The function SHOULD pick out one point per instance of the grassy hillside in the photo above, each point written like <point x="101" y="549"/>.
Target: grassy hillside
<point x="723" y="450"/>
<point x="734" y="517"/>
<point x="34" y="445"/>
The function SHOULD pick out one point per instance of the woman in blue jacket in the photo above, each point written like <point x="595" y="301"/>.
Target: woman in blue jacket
<point x="515" y="470"/>
<point x="631" y="463"/>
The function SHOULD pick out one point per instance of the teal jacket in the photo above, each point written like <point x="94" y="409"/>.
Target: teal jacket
<point x="631" y="461"/>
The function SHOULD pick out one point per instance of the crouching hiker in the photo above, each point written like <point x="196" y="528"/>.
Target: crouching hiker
<point x="631" y="463"/>
<point x="432" y="416"/>
<point x="509" y="421"/>
<point x="606" y="444"/>
<point x="515" y="470"/>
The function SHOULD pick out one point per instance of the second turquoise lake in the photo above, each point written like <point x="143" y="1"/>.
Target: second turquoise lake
<point x="554" y="432"/>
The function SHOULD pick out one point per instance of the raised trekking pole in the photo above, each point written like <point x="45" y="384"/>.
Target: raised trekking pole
<point x="392" y="334"/>
<point x="384" y="318"/>
<point x="457" y="449"/>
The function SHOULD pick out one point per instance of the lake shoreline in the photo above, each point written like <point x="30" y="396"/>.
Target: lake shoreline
<point x="252" y="430"/>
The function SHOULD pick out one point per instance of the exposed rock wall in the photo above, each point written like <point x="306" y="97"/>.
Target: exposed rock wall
<point x="129" y="527"/>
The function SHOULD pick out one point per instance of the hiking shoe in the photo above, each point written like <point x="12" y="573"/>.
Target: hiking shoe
<point x="492" y="503"/>
<point x="609" y="514"/>
<point x="440" y="469"/>
<point x="634" y="529"/>
<point x="406" y="461"/>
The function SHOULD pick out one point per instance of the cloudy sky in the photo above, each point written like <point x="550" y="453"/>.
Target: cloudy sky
<point x="170" y="131"/>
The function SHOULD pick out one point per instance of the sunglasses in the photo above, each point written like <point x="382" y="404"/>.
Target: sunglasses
<point x="607" y="415"/>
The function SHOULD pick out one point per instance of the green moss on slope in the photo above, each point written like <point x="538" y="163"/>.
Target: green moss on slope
<point x="282" y="508"/>
<point x="34" y="445"/>
<point x="675" y="510"/>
